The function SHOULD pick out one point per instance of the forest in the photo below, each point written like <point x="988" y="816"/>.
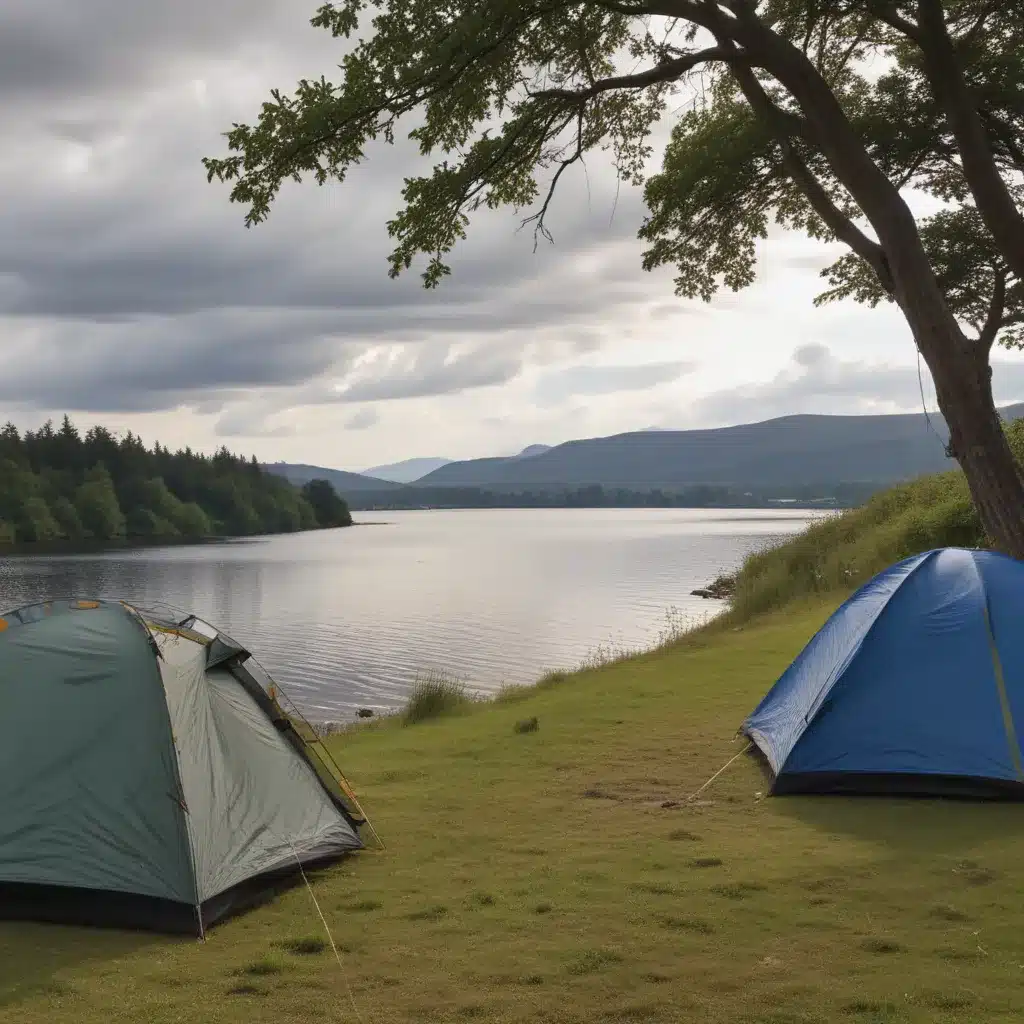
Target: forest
<point x="59" y="485"/>
<point x="825" y="494"/>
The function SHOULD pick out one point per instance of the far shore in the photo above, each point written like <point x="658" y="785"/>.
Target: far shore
<point x="98" y="547"/>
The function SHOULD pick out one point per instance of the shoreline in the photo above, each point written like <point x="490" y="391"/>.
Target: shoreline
<point x="84" y="547"/>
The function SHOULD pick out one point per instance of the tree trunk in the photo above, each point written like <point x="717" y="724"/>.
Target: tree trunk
<point x="992" y="197"/>
<point x="959" y="366"/>
<point x="977" y="441"/>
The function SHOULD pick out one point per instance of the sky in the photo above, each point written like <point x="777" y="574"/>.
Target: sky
<point x="132" y="295"/>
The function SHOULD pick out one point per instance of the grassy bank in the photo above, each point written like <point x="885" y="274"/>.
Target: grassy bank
<point x="843" y="551"/>
<point x="560" y="874"/>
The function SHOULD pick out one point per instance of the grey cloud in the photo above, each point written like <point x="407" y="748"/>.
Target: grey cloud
<point x="120" y="250"/>
<point x="818" y="382"/>
<point x="127" y="283"/>
<point x="363" y="420"/>
<point x="556" y="387"/>
<point x="245" y="422"/>
<point x="54" y="47"/>
<point x="159" y="364"/>
<point x="812" y="355"/>
<point x="430" y="370"/>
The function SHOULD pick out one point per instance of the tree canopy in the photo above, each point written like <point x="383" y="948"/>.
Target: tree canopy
<point x="823" y="116"/>
<point x="56" y="484"/>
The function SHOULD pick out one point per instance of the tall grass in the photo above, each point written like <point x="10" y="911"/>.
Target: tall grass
<point x="434" y="695"/>
<point x="842" y="552"/>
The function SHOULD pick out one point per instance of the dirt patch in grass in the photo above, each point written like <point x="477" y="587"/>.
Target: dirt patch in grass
<point x="880" y="945"/>
<point x="365" y="906"/>
<point x="683" y="835"/>
<point x="686" y="924"/>
<point x="974" y="873"/>
<point x="656" y="888"/>
<point x="262" y="968"/>
<point x="247" y="989"/>
<point x="877" y="1010"/>
<point x="434" y="913"/>
<point x="737" y="890"/>
<point x="591" y="961"/>
<point x="306" y="945"/>
<point x="947" y="912"/>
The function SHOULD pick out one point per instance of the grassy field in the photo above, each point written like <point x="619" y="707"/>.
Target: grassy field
<point x="560" y="874"/>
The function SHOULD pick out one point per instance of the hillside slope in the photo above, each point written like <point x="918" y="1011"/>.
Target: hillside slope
<point x="406" y="471"/>
<point x="788" y="451"/>
<point x="341" y="480"/>
<point x="843" y="551"/>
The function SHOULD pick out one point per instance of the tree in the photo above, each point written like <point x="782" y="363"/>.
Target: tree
<point x="97" y="506"/>
<point x="328" y="507"/>
<point x="52" y="485"/>
<point x="144" y="522"/>
<point x="68" y="518"/>
<point x="193" y="521"/>
<point x="789" y="125"/>
<point x="37" y="522"/>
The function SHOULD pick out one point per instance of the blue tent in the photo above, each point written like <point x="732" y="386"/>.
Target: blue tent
<point x="915" y="685"/>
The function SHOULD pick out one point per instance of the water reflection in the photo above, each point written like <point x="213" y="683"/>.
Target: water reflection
<point x="349" y="617"/>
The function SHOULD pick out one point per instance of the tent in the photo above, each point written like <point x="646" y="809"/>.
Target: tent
<point x="149" y="776"/>
<point x="915" y="685"/>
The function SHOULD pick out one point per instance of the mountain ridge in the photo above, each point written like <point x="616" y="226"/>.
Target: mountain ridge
<point x="784" y="450"/>
<point x="406" y="471"/>
<point x="778" y="452"/>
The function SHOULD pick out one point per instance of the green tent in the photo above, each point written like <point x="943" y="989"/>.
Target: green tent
<point x="149" y="776"/>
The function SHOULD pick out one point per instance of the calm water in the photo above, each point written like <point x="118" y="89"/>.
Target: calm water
<point x="348" y="618"/>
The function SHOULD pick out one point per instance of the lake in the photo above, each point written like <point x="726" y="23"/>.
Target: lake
<point x="349" y="618"/>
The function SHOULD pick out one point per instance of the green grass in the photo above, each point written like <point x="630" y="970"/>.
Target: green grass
<point x="846" y="550"/>
<point x="435" y="696"/>
<point x="506" y="894"/>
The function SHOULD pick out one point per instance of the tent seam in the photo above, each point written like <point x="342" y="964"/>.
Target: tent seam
<point x="815" y="705"/>
<point x="186" y="817"/>
<point x="1009" y="727"/>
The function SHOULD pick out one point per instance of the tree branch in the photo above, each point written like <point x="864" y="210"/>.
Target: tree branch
<point x="967" y="39"/>
<point x="887" y="12"/>
<point x="537" y="219"/>
<point x="996" y="312"/>
<point x="949" y="86"/>
<point x="666" y="71"/>
<point x="834" y="219"/>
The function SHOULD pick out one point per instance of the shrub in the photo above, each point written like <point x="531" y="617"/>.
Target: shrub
<point x="843" y="551"/>
<point x="433" y="696"/>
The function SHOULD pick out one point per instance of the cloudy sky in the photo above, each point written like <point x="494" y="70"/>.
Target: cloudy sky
<point x="132" y="295"/>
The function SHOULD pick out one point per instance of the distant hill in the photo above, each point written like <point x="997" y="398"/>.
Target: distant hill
<point x="791" y="450"/>
<point x="531" y="450"/>
<point x="407" y="471"/>
<point x="342" y="481"/>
